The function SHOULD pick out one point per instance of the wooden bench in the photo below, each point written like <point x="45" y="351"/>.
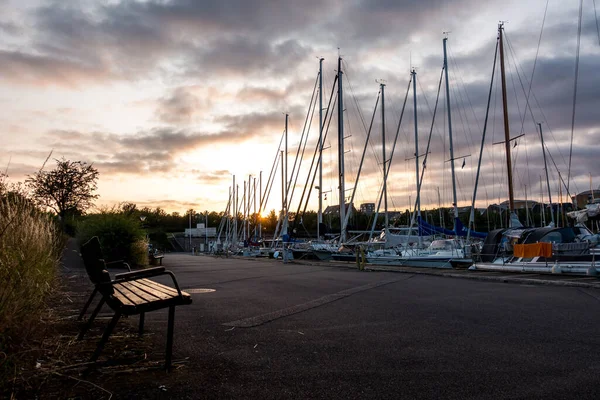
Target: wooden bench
<point x="92" y="250"/>
<point x="130" y="293"/>
<point x="156" y="258"/>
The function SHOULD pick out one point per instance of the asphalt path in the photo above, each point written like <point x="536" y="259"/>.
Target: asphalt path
<point x="274" y="330"/>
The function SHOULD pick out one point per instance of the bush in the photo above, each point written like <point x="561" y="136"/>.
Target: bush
<point x="121" y="236"/>
<point x="30" y="248"/>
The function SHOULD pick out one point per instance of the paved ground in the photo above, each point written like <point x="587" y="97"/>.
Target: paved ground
<point x="273" y="330"/>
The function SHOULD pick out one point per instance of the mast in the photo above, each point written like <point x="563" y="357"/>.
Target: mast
<point x="235" y="198"/>
<point x="249" y="206"/>
<point x="542" y="209"/>
<point x="255" y="213"/>
<point x="385" y="199"/>
<point x="440" y="208"/>
<point x="418" y="210"/>
<point x="454" y="199"/>
<point x="320" y="212"/>
<point x="547" y="178"/>
<point x="283" y="189"/>
<point x="342" y="189"/>
<point x="511" y="197"/>
<point x="285" y="170"/>
<point x="487" y="114"/>
<point x="526" y="208"/>
<point x="260" y="204"/>
<point x="245" y="219"/>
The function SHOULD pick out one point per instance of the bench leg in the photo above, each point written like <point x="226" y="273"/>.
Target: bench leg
<point x="87" y="304"/>
<point x="141" y="330"/>
<point x="88" y="324"/>
<point x="107" y="332"/>
<point x="169" y="351"/>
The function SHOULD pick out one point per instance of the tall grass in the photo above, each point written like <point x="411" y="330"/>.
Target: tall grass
<point x="30" y="249"/>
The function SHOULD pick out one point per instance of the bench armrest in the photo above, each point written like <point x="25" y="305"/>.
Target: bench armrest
<point x="146" y="273"/>
<point x="143" y="273"/>
<point x="121" y="262"/>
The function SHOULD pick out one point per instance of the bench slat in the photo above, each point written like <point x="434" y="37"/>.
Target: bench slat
<point x="151" y="289"/>
<point x="129" y="297"/>
<point x="163" y="288"/>
<point x="144" y="295"/>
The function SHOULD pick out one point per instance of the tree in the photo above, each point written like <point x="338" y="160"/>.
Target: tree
<point x="67" y="189"/>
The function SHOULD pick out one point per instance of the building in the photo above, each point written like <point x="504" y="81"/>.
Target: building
<point x="367" y="208"/>
<point x="335" y="210"/>
<point x="587" y="197"/>
<point x="201" y="231"/>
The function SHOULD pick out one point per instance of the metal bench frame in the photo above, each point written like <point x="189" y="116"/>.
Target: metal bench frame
<point x="130" y="293"/>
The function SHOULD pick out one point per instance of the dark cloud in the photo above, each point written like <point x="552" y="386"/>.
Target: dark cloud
<point x="155" y="150"/>
<point x="215" y="17"/>
<point x="181" y="106"/>
<point x="256" y="60"/>
<point x="45" y="70"/>
<point x="10" y="28"/>
<point x="243" y="56"/>
<point x="253" y="124"/>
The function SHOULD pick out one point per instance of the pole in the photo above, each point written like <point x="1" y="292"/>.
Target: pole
<point x="454" y="198"/>
<point x="206" y="232"/>
<point x="190" y="218"/>
<point x="261" y="206"/>
<point x="559" y="210"/>
<point x="286" y="165"/>
<point x="511" y="199"/>
<point x="526" y="208"/>
<point x="547" y="177"/>
<point x="255" y="213"/>
<point x="234" y="199"/>
<point x="320" y="212"/>
<point x="385" y="199"/>
<point x="245" y="213"/>
<point x="284" y="226"/>
<point x="542" y="209"/>
<point x="342" y="189"/>
<point x="440" y="208"/>
<point x="418" y="208"/>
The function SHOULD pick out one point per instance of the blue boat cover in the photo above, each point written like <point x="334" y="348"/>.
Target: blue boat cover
<point x="428" y="229"/>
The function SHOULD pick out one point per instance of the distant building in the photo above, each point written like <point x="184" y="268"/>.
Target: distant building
<point x="532" y="205"/>
<point x="201" y="231"/>
<point x="335" y="210"/>
<point x="367" y="208"/>
<point x="587" y="197"/>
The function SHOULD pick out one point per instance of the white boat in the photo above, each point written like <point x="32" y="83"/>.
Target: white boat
<point x="566" y="250"/>
<point x="392" y="237"/>
<point x="441" y="253"/>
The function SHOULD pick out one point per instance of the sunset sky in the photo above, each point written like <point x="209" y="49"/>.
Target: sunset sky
<point x="170" y="99"/>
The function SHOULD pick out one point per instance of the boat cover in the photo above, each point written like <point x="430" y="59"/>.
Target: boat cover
<point x="428" y="229"/>
<point x="533" y="250"/>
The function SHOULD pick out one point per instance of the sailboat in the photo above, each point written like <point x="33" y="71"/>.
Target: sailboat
<point x="550" y="249"/>
<point x="441" y="253"/>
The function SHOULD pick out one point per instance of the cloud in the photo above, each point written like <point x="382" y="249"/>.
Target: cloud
<point x="181" y="106"/>
<point x="212" y="177"/>
<point x="43" y="70"/>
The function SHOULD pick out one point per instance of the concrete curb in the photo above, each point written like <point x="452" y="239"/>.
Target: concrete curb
<point x="451" y="274"/>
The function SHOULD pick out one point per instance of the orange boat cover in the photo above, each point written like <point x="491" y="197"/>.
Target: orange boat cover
<point x="533" y="250"/>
